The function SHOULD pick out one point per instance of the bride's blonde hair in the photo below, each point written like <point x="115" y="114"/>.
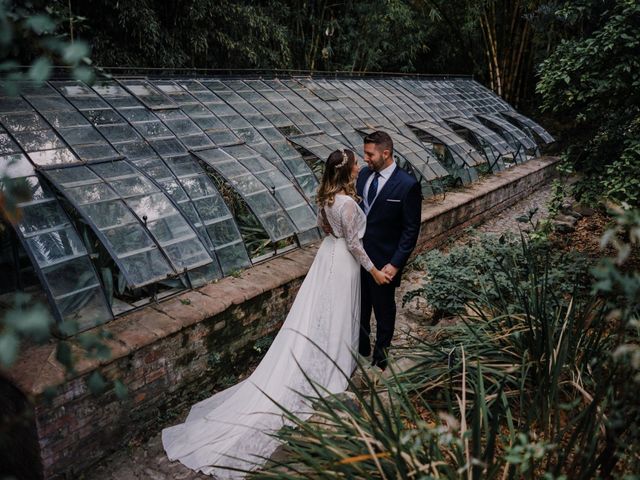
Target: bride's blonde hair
<point x="337" y="177"/>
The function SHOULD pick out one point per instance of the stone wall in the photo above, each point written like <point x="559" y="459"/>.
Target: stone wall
<point x="174" y="353"/>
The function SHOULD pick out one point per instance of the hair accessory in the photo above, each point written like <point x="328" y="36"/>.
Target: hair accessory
<point x="345" y="159"/>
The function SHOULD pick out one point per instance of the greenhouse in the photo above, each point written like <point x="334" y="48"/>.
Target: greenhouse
<point x="143" y="187"/>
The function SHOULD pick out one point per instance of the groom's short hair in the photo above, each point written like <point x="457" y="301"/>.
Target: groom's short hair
<point x="380" y="139"/>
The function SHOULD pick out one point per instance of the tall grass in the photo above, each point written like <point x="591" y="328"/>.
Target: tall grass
<point x="524" y="386"/>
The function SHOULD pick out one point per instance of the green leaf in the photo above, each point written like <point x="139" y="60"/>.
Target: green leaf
<point x="9" y="345"/>
<point x="121" y="389"/>
<point x="74" y="52"/>
<point x="68" y="328"/>
<point x="41" y="24"/>
<point x="96" y="383"/>
<point x="35" y="323"/>
<point x="63" y="355"/>
<point x="84" y="74"/>
<point x="40" y="70"/>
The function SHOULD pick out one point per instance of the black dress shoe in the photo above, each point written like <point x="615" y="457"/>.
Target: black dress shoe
<point x="365" y="352"/>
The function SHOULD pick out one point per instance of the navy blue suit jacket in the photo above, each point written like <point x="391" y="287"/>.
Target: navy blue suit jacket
<point x="393" y="223"/>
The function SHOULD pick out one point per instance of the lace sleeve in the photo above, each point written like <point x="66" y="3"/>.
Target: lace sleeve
<point x="349" y="224"/>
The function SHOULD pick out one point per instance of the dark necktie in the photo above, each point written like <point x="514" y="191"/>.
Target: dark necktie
<point x="373" y="189"/>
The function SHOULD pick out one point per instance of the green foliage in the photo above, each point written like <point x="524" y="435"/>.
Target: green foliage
<point x="33" y="38"/>
<point x="25" y="321"/>
<point x="484" y="270"/>
<point x="592" y="82"/>
<point x="526" y="387"/>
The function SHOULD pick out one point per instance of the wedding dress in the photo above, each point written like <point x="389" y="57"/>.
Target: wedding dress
<point x="232" y="428"/>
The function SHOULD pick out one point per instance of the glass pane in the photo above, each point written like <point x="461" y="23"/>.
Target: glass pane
<point x="174" y="190"/>
<point x="230" y="169"/>
<point x="168" y="147"/>
<point x="201" y="275"/>
<point x="114" y="169"/>
<point x="70" y="276"/>
<point x="88" y="308"/>
<point x="41" y="216"/>
<point x="128" y="238"/>
<point x="101" y="151"/>
<point x="132" y="186"/>
<point x="7" y="145"/>
<point x="262" y="203"/>
<point x="223" y="232"/>
<point x="96" y="192"/>
<point x="15" y="166"/>
<point x="188" y="253"/>
<point x="39" y="140"/>
<point x="248" y="184"/>
<point x="197" y="187"/>
<point x="196" y="141"/>
<point x="211" y="208"/>
<point x="53" y="246"/>
<point x="303" y="217"/>
<point x="233" y="257"/>
<point x="53" y="157"/>
<point x="119" y="133"/>
<point x="145" y="266"/>
<point x="154" y="167"/>
<point x="184" y="166"/>
<point x="189" y="211"/>
<point x="152" y="206"/>
<point x="103" y="116"/>
<point x="65" y="119"/>
<point x="80" y="135"/>
<point x="72" y="175"/>
<point x="138" y="115"/>
<point x="222" y="137"/>
<point x="135" y="150"/>
<point x="109" y="214"/>
<point x="169" y="228"/>
<point x="153" y="129"/>
<point x="278" y="225"/>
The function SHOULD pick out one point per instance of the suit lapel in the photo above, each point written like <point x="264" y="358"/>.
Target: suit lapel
<point x="385" y="191"/>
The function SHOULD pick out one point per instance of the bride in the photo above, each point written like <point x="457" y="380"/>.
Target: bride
<point x="234" y="428"/>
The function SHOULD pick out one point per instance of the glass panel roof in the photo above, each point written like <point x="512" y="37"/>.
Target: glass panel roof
<point x="464" y="153"/>
<point x="128" y="155"/>
<point x="496" y="141"/>
<point x="58" y="254"/>
<point x="528" y="123"/>
<point x="270" y="214"/>
<point x="511" y="132"/>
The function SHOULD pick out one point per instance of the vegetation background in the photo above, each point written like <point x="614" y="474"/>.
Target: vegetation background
<point x="572" y="65"/>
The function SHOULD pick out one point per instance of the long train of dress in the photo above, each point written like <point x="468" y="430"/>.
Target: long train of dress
<point x="231" y="428"/>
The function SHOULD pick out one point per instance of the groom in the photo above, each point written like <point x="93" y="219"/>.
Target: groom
<point x="391" y="199"/>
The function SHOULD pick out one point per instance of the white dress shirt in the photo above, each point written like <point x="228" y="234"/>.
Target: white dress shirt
<point x="385" y="174"/>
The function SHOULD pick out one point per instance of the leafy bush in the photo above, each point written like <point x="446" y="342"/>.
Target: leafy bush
<point x="591" y="82"/>
<point x="484" y="270"/>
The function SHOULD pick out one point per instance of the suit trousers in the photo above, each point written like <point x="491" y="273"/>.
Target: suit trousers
<point x="382" y="300"/>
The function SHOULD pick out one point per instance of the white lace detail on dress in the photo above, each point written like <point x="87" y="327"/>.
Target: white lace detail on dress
<point x="348" y="221"/>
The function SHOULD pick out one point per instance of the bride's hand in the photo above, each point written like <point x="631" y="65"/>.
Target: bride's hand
<point x="380" y="277"/>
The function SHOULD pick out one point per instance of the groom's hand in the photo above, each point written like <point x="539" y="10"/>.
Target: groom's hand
<point x="390" y="270"/>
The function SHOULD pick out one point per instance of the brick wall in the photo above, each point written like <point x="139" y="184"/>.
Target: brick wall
<point x="179" y="351"/>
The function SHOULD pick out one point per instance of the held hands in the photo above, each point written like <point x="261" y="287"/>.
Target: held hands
<point x="390" y="270"/>
<point x="380" y="276"/>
